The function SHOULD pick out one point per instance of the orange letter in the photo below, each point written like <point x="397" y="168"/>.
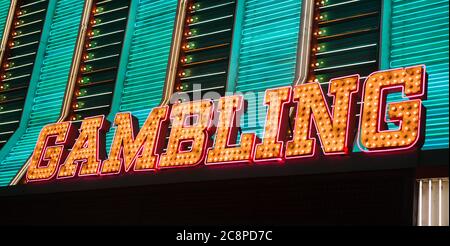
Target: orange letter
<point x="225" y="149"/>
<point x="87" y="150"/>
<point x="407" y="114"/>
<point x="332" y="129"/>
<point x="130" y="145"/>
<point x="45" y="159"/>
<point x="276" y="124"/>
<point x="187" y="143"/>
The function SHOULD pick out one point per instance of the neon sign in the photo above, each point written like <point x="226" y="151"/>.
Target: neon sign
<point x="192" y="126"/>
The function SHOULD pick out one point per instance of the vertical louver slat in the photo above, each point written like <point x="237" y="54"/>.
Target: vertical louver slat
<point x="419" y="35"/>
<point x="206" y="47"/>
<point x="346" y="39"/>
<point x="100" y="59"/>
<point x="268" y="54"/>
<point x="51" y="85"/>
<point x="18" y="61"/>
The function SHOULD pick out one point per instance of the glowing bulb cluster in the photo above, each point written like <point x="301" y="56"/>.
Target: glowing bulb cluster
<point x="94" y="33"/>
<point x="22" y="12"/>
<point x="9" y="65"/>
<point x="322" y="2"/>
<point x="14" y="44"/>
<point x="19" y="22"/>
<point x="96" y="21"/>
<point x="184" y="73"/>
<point x="182" y="87"/>
<point x="84" y="80"/>
<point x="92" y="44"/>
<point x="76" y="117"/>
<point x="86" y="68"/>
<point x="406" y="114"/>
<point x="98" y="10"/>
<point x="225" y="149"/>
<point x="6" y="75"/>
<point x="16" y="33"/>
<point x="51" y="155"/>
<point x="189" y="46"/>
<point x="192" y="19"/>
<point x="4" y="86"/>
<point x="81" y="92"/>
<point x="187" y="59"/>
<point x="276" y="124"/>
<point x="191" y="32"/>
<point x="332" y="128"/>
<point x="194" y="6"/>
<point x="89" y="56"/>
<point x="126" y="140"/>
<point x="197" y="134"/>
<point x="320" y="32"/>
<point x="86" y="149"/>
<point x="78" y="105"/>
<point x="321" y="17"/>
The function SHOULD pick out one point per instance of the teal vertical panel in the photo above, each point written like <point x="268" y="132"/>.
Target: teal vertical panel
<point x="51" y="85"/>
<point x="419" y="35"/>
<point x="148" y="59"/>
<point x="149" y="54"/>
<point x="268" y="53"/>
<point x="4" y="9"/>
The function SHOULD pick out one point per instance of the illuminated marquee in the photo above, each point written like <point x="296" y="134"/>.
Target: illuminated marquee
<point x="316" y="121"/>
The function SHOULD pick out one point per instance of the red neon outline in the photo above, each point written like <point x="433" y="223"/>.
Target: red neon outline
<point x="123" y="168"/>
<point x="104" y="125"/>
<point x="382" y="103"/>
<point x="283" y="110"/>
<point x="237" y="113"/>
<point x="206" y="131"/>
<point x="69" y="132"/>
<point x="331" y="116"/>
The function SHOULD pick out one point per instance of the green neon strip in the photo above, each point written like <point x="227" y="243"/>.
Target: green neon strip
<point x="47" y="84"/>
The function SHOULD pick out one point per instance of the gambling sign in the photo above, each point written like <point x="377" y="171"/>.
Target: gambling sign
<point x="192" y="126"/>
